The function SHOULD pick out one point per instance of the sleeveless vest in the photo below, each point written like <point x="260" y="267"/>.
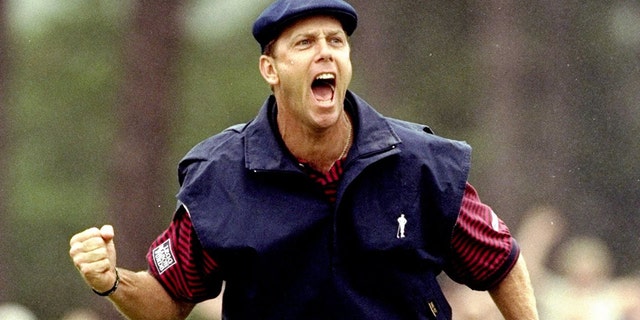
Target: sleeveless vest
<point x="285" y="252"/>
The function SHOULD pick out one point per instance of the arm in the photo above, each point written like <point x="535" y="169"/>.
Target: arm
<point x="514" y="295"/>
<point x="139" y="294"/>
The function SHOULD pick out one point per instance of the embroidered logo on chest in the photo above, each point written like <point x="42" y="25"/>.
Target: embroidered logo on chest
<point x="402" y="223"/>
<point x="163" y="256"/>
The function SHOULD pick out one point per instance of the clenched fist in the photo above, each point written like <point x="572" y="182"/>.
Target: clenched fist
<point x="94" y="255"/>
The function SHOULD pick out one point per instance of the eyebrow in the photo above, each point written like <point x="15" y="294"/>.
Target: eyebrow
<point x="328" y="32"/>
<point x="336" y="32"/>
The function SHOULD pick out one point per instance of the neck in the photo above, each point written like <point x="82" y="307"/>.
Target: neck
<point x="319" y="149"/>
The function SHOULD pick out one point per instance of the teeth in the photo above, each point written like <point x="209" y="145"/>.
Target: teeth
<point x="325" y="76"/>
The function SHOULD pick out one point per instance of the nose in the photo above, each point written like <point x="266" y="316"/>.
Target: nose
<point x="325" y="52"/>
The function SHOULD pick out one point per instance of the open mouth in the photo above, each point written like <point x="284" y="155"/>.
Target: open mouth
<point x="324" y="86"/>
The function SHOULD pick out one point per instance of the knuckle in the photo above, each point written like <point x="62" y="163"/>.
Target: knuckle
<point x="84" y="235"/>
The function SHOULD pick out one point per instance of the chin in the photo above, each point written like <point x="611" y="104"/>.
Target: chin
<point x="327" y="120"/>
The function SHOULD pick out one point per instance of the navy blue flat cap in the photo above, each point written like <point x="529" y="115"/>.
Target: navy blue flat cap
<point x="280" y="14"/>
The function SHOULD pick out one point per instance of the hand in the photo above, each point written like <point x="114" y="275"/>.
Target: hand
<point x="94" y="255"/>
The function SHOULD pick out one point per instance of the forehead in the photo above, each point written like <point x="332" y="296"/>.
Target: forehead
<point x="313" y="24"/>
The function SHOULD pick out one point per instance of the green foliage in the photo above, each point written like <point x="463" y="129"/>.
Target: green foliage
<point x="63" y="91"/>
<point x="67" y="74"/>
<point x="220" y="86"/>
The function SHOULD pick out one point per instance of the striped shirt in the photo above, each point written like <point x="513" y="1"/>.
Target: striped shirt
<point x="483" y="251"/>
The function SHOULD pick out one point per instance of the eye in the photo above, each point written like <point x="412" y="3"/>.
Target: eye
<point x="303" y="43"/>
<point x="338" y="41"/>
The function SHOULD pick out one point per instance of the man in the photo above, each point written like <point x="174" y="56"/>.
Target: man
<point x="319" y="208"/>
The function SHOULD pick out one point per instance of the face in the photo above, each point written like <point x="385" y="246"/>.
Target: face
<point x="310" y="71"/>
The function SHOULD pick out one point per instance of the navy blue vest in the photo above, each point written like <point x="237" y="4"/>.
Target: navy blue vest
<point x="285" y="252"/>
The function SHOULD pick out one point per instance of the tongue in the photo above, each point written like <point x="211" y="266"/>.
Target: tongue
<point x="322" y="91"/>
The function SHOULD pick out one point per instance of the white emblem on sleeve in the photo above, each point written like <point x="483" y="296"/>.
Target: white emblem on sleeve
<point x="163" y="256"/>
<point x="495" y="222"/>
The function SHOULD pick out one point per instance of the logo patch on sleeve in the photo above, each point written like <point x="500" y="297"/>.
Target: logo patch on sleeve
<point x="495" y="222"/>
<point x="163" y="256"/>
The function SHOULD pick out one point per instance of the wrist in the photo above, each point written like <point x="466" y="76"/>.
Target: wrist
<point x="113" y="288"/>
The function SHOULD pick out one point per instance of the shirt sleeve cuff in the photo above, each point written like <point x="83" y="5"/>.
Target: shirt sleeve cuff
<point x="504" y="270"/>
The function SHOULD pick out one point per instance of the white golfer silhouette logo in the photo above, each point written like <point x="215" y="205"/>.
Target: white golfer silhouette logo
<point x="402" y="222"/>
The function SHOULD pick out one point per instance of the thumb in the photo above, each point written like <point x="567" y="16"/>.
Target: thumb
<point x="108" y="234"/>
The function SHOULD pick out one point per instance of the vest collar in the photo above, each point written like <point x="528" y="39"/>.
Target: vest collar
<point x="265" y="150"/>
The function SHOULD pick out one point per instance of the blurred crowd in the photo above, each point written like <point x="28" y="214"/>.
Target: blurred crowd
<point x="208" y="310"/>
<point x="573" y="278"/>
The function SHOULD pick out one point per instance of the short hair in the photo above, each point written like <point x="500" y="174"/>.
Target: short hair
<point x="269" y="48"/>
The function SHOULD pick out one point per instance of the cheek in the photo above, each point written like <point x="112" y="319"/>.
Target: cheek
<point x="286" y="67"/>
<point x="347" y="73"/>
<point x="291" y="74"/>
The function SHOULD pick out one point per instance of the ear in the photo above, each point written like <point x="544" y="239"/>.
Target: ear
<point x="268" y="70"/>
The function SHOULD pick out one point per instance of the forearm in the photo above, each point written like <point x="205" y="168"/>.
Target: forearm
<point x="514" y="295"/>
<point x="140" y="296"/>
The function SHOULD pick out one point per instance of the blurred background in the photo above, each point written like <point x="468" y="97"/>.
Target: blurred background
<point x="100" y="99"/>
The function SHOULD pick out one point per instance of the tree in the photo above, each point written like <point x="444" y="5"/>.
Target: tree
<point x="4" y="146"/>
<point x="144" y="114"/>
<point x="499" y="52"/>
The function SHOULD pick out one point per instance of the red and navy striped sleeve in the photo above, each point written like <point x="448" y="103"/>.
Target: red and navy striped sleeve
<point x="178" y="261"/>
<point x="483" y="250"/>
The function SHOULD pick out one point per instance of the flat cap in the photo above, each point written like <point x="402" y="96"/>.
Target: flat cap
<point x="280" y="14"/>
